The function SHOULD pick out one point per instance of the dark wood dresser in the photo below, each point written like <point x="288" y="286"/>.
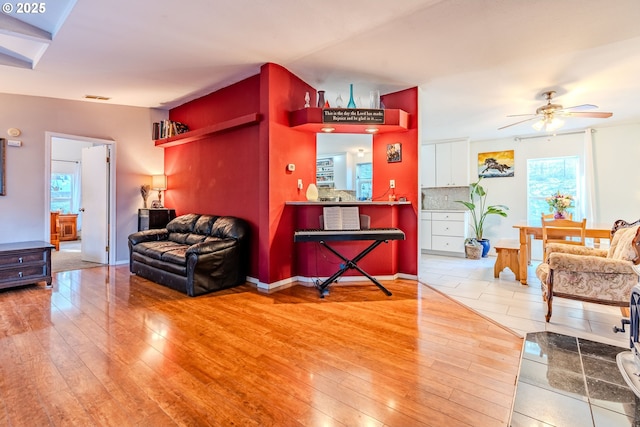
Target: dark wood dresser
<point x="154" y="218"/>
<point x="25" y="263"/>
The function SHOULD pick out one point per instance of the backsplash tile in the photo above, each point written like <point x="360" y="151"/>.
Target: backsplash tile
<point x="444" y="198"/>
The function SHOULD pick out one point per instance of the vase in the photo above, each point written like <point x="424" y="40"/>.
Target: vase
<point x="312" y="192"/>
<point x="339" y="101"/>
<point x="486" y="245"/>
<point x="320" y="99"/>
<point x="351" y="103"/>
<point x="559" y="215"/>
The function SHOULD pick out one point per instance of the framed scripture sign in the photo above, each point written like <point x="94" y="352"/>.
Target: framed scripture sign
<point x="363" y="116"/>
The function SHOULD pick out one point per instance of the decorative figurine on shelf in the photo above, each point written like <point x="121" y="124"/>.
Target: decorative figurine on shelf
<point x="307" y="98"/>
<point x="326" y="104"/>
<point x="320" y="99"/>
<point x="351" y="103"/>
<point x="144" y="191"/>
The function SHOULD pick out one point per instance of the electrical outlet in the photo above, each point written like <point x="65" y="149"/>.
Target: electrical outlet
<point x="392" y="183"/>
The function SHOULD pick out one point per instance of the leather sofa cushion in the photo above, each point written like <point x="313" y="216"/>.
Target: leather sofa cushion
<point x="163" y="251"/>
<point x="228" y="227"/>
<point x="176" y="256"/>
<point x="179" y="269"/>
<point x="186" y="238"/>
<point x="183" y="223"/>
<point x="205" y="224"/>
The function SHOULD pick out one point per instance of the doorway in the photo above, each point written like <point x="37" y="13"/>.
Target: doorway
<point x="63" y="153"/>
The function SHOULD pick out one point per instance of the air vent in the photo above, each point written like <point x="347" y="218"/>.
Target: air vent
<point x="97" y="97"/>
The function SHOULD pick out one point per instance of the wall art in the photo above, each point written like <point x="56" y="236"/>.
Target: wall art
<point x="495" y="164"/>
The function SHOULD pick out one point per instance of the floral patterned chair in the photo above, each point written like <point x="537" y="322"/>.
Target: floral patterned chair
<point x="593" y="275"/>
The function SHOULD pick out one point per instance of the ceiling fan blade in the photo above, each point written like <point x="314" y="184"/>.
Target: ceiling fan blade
<point x="517" y="123"/>
<point x="581" y="107"/>
<point x="593" y="114"/>
<point x="520" y="115"/>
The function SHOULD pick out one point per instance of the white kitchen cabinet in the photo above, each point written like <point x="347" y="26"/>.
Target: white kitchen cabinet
<point x="448" y="162"/>
<point x="425" y="231"/>
<point x="428" y="165"/>
<point x="448" y="231"/>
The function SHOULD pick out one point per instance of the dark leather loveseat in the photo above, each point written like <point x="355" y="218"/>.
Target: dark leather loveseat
<point x="195" y="253"/>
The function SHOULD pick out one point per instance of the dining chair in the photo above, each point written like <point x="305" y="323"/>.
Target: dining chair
<point x="548" y="217"/>
<point x="562" y="231"/>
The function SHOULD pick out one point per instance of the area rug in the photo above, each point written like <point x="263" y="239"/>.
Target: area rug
<point x="69" y="258"/>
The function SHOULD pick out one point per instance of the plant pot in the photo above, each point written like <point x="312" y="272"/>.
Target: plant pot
<point x="473" y="251"/>
<point x="486" y="245"/>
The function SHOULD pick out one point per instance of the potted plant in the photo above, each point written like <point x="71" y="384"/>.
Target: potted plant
<point x="477" y="205"/>
<point x="472" y="248"/>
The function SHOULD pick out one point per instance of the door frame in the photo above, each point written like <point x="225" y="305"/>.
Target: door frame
<point x="111" y="218"/>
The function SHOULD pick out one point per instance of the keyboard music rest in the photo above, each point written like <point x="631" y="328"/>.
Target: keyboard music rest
<point x="315" y="235"/>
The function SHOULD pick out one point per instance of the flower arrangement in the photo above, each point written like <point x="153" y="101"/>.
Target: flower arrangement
<point x="559" y="203"/>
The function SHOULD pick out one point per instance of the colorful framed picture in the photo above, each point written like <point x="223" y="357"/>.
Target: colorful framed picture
<point x="496" y="164"/>
<point x="394" y="152"/>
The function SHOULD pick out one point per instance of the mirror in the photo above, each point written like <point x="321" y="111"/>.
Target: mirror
<point x="344" y="166"/>
<point x="3" y="148"/>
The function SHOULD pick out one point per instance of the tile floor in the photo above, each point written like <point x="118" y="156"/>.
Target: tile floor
<point x="568" y="375"/>
<point x="568" y="381"/>
<point x="518" y="307"/>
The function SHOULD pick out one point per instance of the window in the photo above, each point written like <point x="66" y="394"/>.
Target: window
<point x="547" y="176"/>
<point x="61" y="192"/>
<point x="364" y="176"/>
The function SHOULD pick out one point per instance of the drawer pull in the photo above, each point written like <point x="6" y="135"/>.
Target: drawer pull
<point x="20" y="260"/>
<point x="20" y="274"/>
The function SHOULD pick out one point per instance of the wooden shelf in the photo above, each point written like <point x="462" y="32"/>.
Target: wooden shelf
<point x="310" y="120"/>
<point x="197" y="134"/>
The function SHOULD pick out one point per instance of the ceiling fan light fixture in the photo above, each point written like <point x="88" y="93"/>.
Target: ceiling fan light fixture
<point x="538" y="125"/>
<point x="554" y="124"/>
<point x="549" y="124"/>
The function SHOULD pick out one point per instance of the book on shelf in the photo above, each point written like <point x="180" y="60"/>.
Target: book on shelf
<point x="168" y="128"/>
<point x="341" y="217"/>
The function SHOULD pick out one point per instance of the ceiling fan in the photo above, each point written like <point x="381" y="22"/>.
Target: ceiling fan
<point x="550" y="116"/>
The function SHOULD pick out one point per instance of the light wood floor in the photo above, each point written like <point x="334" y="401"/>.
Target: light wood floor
<point x="107" y="348"/>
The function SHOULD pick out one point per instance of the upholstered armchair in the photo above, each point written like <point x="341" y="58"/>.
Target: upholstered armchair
<point x="593" y="275"/>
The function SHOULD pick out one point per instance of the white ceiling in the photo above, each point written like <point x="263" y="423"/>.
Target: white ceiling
<point x="476" y="61"/>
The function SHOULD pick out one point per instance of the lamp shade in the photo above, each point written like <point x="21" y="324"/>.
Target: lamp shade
<point x="159" y="182"/>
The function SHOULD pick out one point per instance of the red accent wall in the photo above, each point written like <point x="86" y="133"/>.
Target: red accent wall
<point x="242" y="172"/>
<point x="404" y="172"/>
<point x="282" y="92"/>
<point x="219" y="174"/>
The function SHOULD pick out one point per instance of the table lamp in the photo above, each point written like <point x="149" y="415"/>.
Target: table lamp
<point x="159" y="182"/>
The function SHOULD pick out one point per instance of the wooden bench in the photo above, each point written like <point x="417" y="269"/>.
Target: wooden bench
<point x="508" y="252"/>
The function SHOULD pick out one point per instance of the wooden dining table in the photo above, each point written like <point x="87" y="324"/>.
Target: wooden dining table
<point x="533" y="230"/>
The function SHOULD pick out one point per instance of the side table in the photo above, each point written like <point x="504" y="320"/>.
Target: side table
<point x="25" y="263"/>
<point x="154" y="218"/>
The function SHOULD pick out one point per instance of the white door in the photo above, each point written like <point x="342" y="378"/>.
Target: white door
<point x="95" y="204"/>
